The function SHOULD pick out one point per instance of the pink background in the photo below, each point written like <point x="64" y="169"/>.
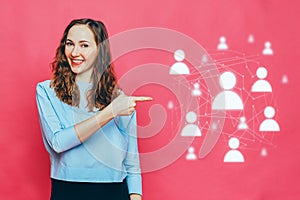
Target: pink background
<point x="30" y="32"/>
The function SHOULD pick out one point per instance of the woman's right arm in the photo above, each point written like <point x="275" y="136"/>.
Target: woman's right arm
<point x="64" y="138"/>
<point x="122" y="105"/>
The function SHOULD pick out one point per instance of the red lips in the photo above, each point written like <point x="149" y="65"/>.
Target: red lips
<point x="76" y="62"/>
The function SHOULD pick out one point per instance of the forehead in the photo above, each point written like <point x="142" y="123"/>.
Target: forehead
<point x="80" y="32"/>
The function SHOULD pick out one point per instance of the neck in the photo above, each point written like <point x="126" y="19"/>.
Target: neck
<point x="84" y="77"/>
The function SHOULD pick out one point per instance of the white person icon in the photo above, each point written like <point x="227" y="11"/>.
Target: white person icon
<point x="222" y="44"/>
<point x="269" y="124"/>
<point x="227" y="100"/>
<point x="234" y="155"/>
<point x="191" y="154"/>
<point x="261" y="85"/>
<point x="267" y="50"/>
<point x="179" y="67"/>
<point x="242" y="125"/>
<point x="191" y="129"/>
<point x="196" y="90"/>
<point x="250" y="38"/>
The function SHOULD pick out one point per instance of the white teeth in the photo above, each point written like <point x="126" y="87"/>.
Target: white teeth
<point x="77" y="61"/>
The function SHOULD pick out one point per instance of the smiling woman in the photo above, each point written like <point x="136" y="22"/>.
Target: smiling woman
<point x="84" y="54"/>
<point x="83" y="82"/>
<point x="81" y="51"/>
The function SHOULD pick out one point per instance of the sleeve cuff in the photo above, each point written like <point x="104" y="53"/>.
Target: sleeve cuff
<point x="134" y="184"/>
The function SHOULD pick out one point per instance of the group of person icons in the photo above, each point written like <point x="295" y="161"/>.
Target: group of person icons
<point x="227" y="99"/>
<point x="267" y="125"/>
<point x="266" y="51"/>
<point x="233" y="155"/>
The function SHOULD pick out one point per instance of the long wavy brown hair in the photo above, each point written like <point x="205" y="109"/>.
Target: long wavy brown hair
<point x="103" y="78"/>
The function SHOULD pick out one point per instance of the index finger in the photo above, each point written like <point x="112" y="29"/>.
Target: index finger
<point x="141" y="98"/>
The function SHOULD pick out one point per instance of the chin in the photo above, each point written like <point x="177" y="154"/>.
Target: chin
<point x="75" y="70"/>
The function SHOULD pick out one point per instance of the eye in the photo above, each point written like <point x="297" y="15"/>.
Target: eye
<point x="84" y="45"/>
<point x="68" y="43"/>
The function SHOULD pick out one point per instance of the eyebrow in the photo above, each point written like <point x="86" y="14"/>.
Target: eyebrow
<point x="79" y="41"/>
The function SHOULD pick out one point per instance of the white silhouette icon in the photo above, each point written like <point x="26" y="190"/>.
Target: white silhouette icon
<point x="191" y="154"/>
<point x="170" y="105"/>
<point x="263" y="152"/>
<point x="243" y="125"/>
<point x="261" y="85"/>
<point x="267" y="50"/>
<point x="191" y="129"/>
<point x="222" y="44"/>
<point x="284" y="79"/>
<point x="250" y="38"/>
<point x="196" y="91"/>
<point x="214" y="126"/>
<point x="227" y="100"/>
<point x="204" y="58"/>
<point x="269" y="124"/>
<point x="179" y="67"/>
<point x="234" y="155"/>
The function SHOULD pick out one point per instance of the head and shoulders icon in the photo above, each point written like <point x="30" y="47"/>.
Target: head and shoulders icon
<point x="179" y="67"/>
<point x="227" y="99"/>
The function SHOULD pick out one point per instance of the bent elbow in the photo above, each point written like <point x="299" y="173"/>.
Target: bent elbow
<point x="56" y="147"/>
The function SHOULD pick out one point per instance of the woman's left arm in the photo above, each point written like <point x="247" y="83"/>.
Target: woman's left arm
<point x="132" y="161"/>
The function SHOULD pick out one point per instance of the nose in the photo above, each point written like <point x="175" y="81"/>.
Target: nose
<point x="75" y="52"/>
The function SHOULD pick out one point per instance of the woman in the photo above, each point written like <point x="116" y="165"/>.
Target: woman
<point x="88" y="128"/>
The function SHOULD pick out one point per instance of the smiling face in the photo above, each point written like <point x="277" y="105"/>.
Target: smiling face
<point x="81" y="51"/>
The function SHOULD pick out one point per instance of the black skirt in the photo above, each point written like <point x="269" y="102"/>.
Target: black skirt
<point x="65" y="190"/>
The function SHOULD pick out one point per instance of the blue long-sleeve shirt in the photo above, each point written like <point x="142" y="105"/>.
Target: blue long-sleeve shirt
<point x="109" y="155"/>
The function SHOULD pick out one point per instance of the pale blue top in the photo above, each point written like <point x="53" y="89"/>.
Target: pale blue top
<point x="109" y="155"/>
